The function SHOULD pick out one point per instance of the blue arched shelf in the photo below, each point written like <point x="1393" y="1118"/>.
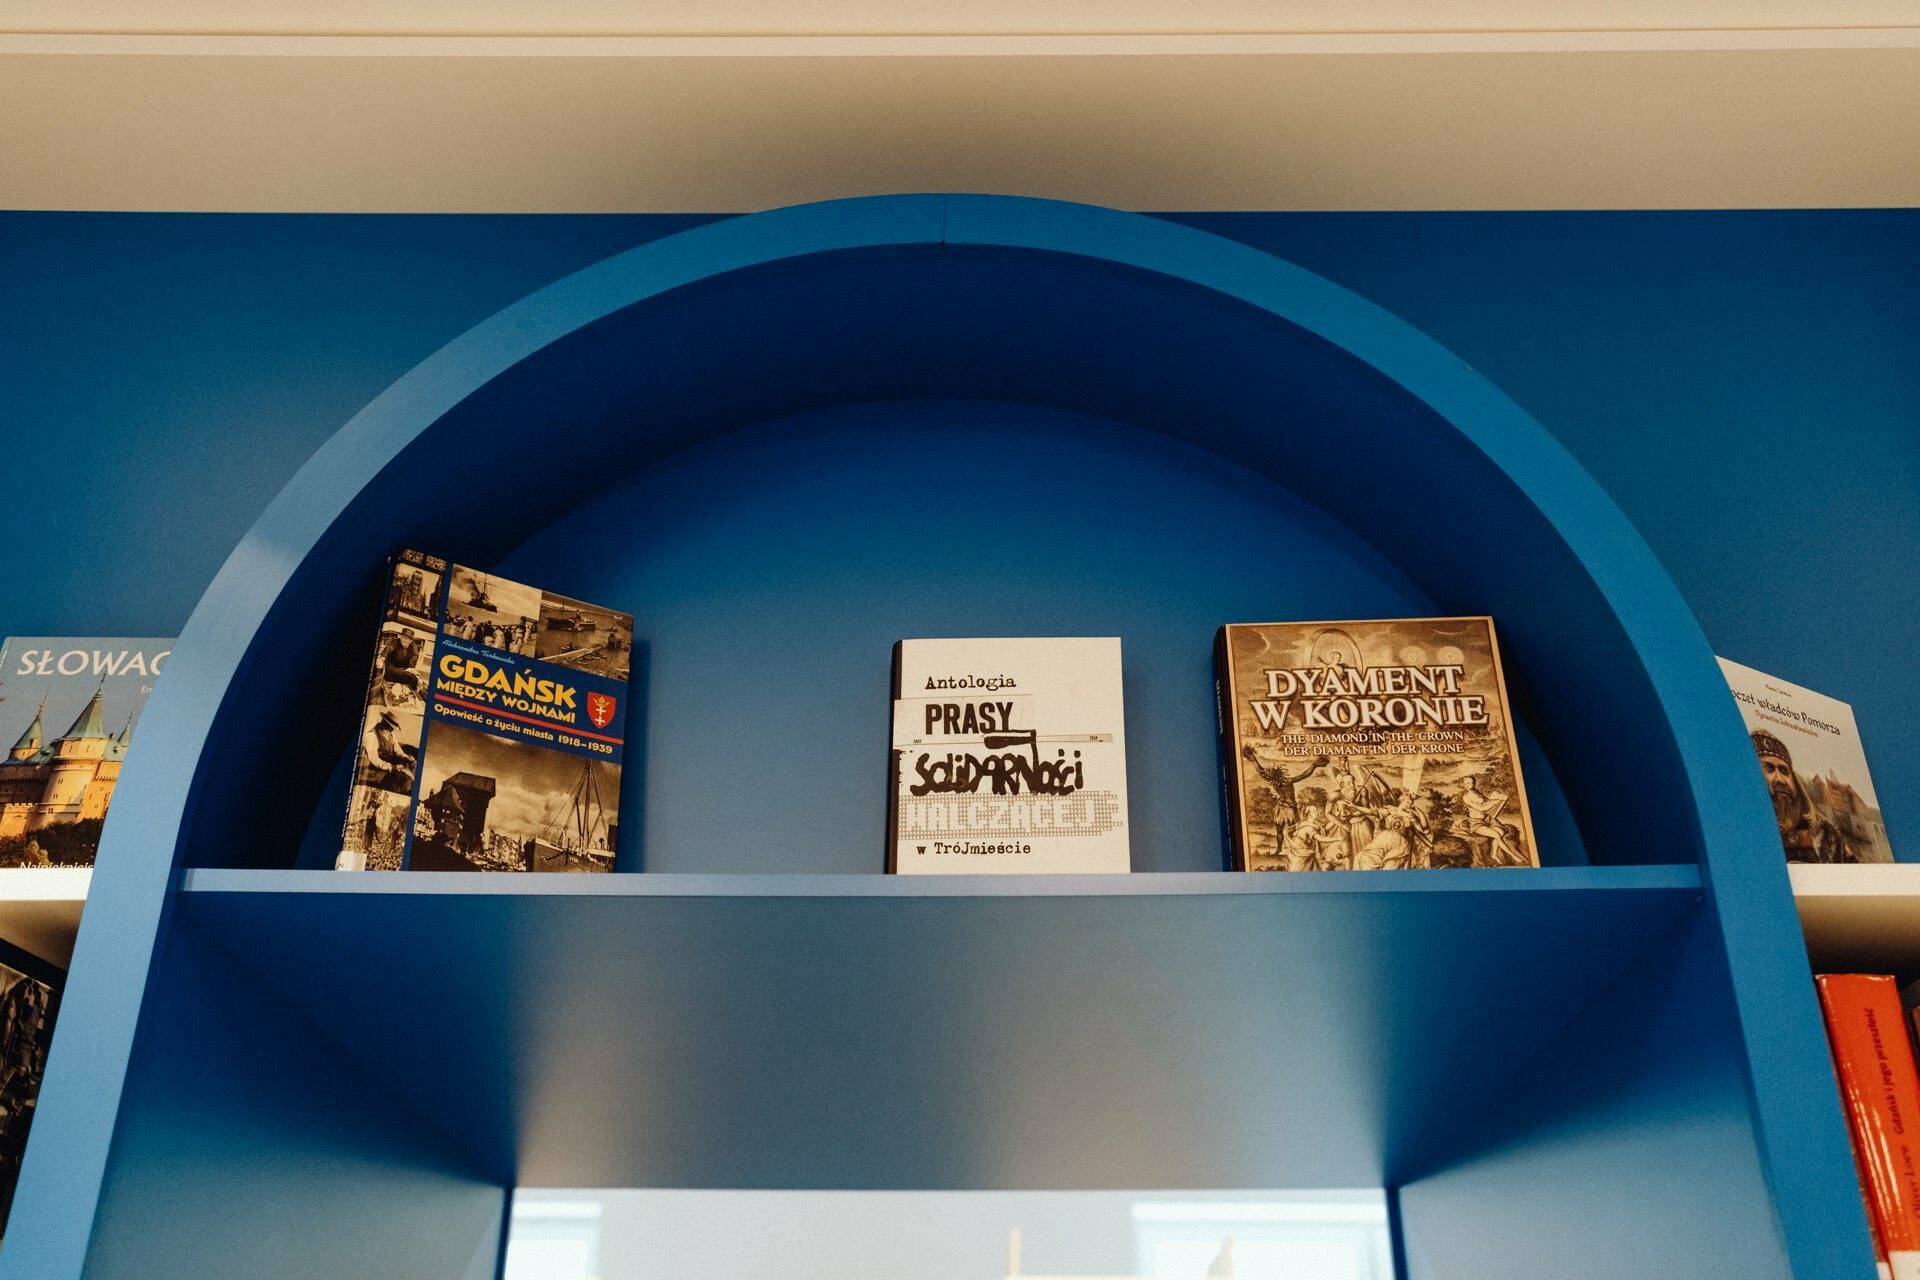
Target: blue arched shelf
<point x="240" y="1081"/>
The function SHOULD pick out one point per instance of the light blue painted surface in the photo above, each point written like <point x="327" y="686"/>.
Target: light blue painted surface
<point x="253" y="1146"/>
<point x="1624" y="1148"/>
<point x="1115" y="315"/>
<point x="1197" y="1030"/>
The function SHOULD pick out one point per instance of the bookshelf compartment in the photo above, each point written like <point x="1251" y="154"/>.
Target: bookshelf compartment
<point x="772" y="570"/>
<point x="1010" y="1032"/>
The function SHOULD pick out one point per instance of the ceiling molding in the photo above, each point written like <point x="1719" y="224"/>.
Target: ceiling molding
<point x="959" y="46"/>
<point x="923" y="18"/>
<point x="1758" y="117"/>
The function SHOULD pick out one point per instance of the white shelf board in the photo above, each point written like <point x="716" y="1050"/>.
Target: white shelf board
<point x="1860" y="919"/>
<point x="40" y="909"/>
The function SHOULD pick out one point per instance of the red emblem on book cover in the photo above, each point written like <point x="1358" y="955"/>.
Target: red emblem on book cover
<point x="600" y="709"/>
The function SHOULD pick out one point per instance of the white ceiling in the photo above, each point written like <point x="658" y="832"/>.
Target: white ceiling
<point x="599" y="106"/>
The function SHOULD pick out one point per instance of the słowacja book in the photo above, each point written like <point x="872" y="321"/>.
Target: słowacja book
<point x="1368" y="746"/>
<point x="494" y="728"/>
<point x="1008" y="756"/>
<point x="1873" y="1059"/>
<point x="1815" y="769"/>
<point x="67" y="710"/>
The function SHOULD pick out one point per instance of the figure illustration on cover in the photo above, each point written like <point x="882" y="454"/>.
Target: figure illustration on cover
<point x="1371" y="746"/>
<point x="1821" y="819"/>
<point x="1815" y="769"/>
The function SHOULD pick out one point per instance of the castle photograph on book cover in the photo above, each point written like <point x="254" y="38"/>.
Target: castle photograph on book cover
<point x="1815" y="769"/>
<point x="493" y="730"/>
<point x="1370" y="745"/>
<point x="68" y="705"/>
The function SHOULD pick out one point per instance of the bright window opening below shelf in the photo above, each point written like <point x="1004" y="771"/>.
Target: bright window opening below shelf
<point x="949" y="1235"/>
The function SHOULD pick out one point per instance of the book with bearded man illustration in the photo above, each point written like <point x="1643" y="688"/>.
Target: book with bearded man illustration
<point x="1814" y="767"/>
<point x="493" y="731"/>
<point x="1368" y="746"/>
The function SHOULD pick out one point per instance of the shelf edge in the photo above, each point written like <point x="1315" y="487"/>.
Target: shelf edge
<point x="1865" y="880"/>
<point x="206" y="881"/>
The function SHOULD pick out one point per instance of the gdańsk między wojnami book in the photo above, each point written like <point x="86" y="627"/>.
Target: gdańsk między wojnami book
<point x="494" y="728"/>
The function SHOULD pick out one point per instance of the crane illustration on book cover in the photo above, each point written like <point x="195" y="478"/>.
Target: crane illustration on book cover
<point x="1367" y="746"/>
<point x="492" y="735"/>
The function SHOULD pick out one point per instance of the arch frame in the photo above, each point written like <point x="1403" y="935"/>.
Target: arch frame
<point x="169" y="801"/>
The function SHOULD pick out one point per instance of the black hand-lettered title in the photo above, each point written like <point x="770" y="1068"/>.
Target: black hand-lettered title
<point x="1005" y="766"/>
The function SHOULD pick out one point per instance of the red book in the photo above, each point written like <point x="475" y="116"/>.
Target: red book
<point x="1881" y="1267"/>
<point x="1881" y="1089"/>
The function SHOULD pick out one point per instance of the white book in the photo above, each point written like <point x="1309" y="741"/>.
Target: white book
<point x="1009" y="755"/>
<point x="1815" y="769"/>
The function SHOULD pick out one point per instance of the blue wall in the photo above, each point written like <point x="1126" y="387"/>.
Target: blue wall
<point x="1744" y="384"/>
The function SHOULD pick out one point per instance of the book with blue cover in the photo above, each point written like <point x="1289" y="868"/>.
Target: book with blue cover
<point x="494" y="728"/>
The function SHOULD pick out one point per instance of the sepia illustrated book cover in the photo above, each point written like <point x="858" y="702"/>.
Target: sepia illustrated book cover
<point x="1815" y="769"/>
<point x="1373" y="745"/>
<point x="494" y="728"/>
<point x="68" y="709"/>
<point x="1009" y="756"/>
<point x="30" y="991"/>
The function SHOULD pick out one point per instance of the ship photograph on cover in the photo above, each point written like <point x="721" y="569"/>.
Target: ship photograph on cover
<point x="1373" y="745"/>
<point x="583" y="636"/>
<point x="493" y="730"/>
